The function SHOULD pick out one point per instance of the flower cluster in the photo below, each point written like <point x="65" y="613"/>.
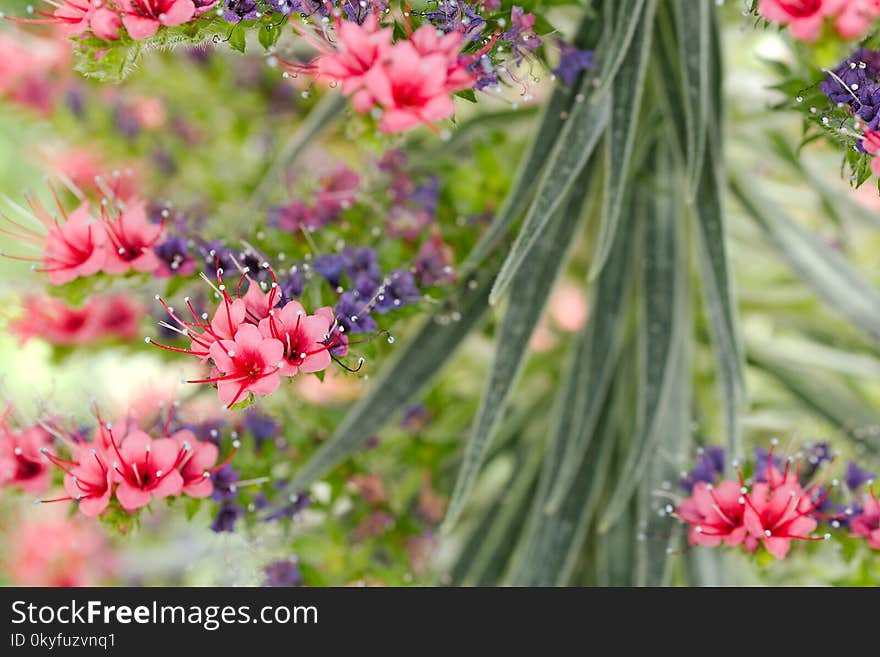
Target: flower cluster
<point x="100" y="318"/>
<point x="133" y="468"/>
<point x="253" y="340"/>
<point x="777" y="505"/>
<point x="106" y="19"/>
<point x="806" y="18"/>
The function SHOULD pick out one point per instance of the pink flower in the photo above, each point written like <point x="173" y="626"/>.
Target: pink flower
<point x="249" y="363"/>
<point x="359" y="49"/>
<point x="55" y="322"/>
<point x="90" y="479"/>
<point x="777" y="514"/>
<point x="715" y="514"/>
<point x="49" y="549"/>
<point x="146" y="468"/>
<point x="867" y="523"/>
<point x="856" y="17"/>
<point x="303" y="336"/>
<point x="142" y="18"/>
<point x="803" y="17"/>
<point x="79" y="16"/>
<point x="72" y="248"/>
<point x="414" y="86"/>
<point x="22" y="465"/>
<point x="196" y="460"/>
<point x="131" y="238"/>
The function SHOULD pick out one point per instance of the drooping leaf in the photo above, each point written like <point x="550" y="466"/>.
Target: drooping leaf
<point x="622" y="129"/>
<point x="664" y="292"/>
<point x="412" y="368"/>
<point x="582" y="131"/>
<point x="694" y="27"/>
<point x="828" y="273"/>
<point x="628" y="15"/>
<point x="533" y="283"/>
<point x="719" y="301"/>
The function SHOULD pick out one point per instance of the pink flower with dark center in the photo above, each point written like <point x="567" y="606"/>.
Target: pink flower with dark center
<point x="54" y="321"/>
<point x="248" y="364"/>
<point x="145" y="468"/>
<point x="89" y="478"/>
<point x="303" y="336"/>
<point x="72" y="248"/>
<point x="79" y="16"/>
<point x="867" y="523"/>
<point x="776" y="515"/>
<point x="803" y="17"/>
<point x="22" y="465"/>
<point x="715" y="514"/>
<point x="142" y="18"/>
<point x="360" y="47"/>
<point x="130" y="241"/>
<point x="196" y="459"/>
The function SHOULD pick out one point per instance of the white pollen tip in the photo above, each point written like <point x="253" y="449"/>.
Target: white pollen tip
<point x="148" y="339"/>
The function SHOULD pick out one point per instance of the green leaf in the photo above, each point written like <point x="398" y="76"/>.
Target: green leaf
<point x="826" y="396"/>
<point x="569" y="156"/>
<point x="533" y="283"/>
<point x="693" y="18"/>
<point x="825" y="271"/>
<point x="664" y="292"/>
<point x="628" y="14"/>
<point x="268" y="35"/>
<point x="625" y="107"/>
<point x="530" y="166"/>
<point x="467" y="94"/>
<point x="238" y="38"/>
<point x="719" y="302"/>
<point x="552" y="542"/>
<point x="585" y="390"/>
<point x="411" y="370"/>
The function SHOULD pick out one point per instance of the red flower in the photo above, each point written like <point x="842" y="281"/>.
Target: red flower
<point x="867" y="523"/>
<point x="249" y="363"/>
<point x="196" y="459"/>
<point x="303" y="336"/>
<point x="22" y="464"/>
<point x="131" y="238"/>
<point x="145" y="468"/>
<point x="715" y="514"/>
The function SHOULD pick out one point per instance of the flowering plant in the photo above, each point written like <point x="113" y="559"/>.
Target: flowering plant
<point x="328" y="292"/>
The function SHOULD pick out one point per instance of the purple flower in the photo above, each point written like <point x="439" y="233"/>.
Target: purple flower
<point x="224" y="481"/>
<point x="215" y="255"/>
<point x="434" y="263"/>
<point x="815" y="455"/>
<point x="398" y="290"/>
<point x="330" y="266"/>
<point x="293" y="217"/>
<point x="710" y="464"/>
<point x="291" y="286"/>
<point x="457" y="16"/>
<point x="208" y="430"/>
<point x="522" y="40"/>
<point x="854" y="83"/>
<point x="236" y="11"/>
<point x="415" y="417"/>
<point x="762" y="462"/>
<point x="352" y="316"/>
<point x="175" y="256"/>
<point x="485" y="71"/>
<point x="362" y="262"/>
<point x="572" y="61"/>
<point x="283" y="573"/>
<point x="262" y="427"/>
<point x="226" y="517"/>
<point x="855" y="476"/>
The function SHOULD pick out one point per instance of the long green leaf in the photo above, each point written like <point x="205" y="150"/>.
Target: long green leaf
<point x="523" y="186"/>
<point x="827" y="397"/>
<point x="533" y="283"/>
<point x="625" y="110"/>
<point x="582" y="131"/>
<point x="587" y="388"/>
<point x="719" y="302"/>
<point x="693" y="18"/>
<point x="628" y="14"/>
<point x="663" y="296"/>
<point x="411" y="370"/>
<point x="824" y="270"/>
